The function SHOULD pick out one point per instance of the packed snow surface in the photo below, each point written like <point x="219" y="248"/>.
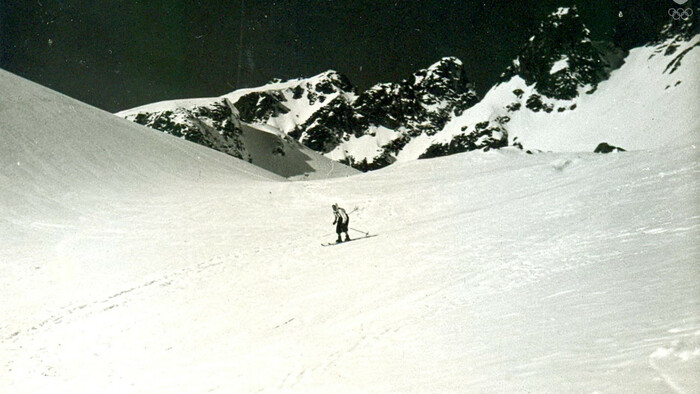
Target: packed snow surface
<point x="133" y="261"/>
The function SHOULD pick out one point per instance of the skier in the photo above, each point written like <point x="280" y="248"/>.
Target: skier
<point x="341" y="221"/>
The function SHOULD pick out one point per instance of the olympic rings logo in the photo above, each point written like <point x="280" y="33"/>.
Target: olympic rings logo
<point x="680" y="13"/>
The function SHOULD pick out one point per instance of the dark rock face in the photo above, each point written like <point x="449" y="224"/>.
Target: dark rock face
<point x="563" y="40"/>
<point x="327" y="127"/>
<point x="605" y="148"/>
<point x="332" y="83"/>
<point x="261" y="106"/>
<point x="485" y="136"/>
<point x="485" y="139"/>
<point x="384" y="105"/>
<point x="422" y="103"/>
<point x="363" y="165"/>
<point x="216" y="126"/>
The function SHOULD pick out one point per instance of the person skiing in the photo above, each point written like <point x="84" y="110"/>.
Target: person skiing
<point x="342" y="220"/>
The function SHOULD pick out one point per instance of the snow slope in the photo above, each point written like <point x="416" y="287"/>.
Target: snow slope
<point x="271" y="150"/>
<point x="63" y="161"/>
<point x="131" y="271"/>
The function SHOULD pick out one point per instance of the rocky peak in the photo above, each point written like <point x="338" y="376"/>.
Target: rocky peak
<point x="560" y="57"/>
<point x="327" y="127"/>
<point x="384" y="104"/>
<point x="424" y="100"/>
<point x="445" y="76"/>
<point x="216" y="125"/>
<point x="332" y="81"/>
<point x="274" y="99"/>
<point x="419" y="105"/>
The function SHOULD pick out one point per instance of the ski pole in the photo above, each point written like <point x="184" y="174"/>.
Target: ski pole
<point x="360" y="231"/>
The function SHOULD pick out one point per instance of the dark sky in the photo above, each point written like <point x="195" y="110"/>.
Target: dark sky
<point x="119" y="54"/>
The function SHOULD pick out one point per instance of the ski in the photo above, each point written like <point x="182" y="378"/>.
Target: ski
<point x="344" y="242"/>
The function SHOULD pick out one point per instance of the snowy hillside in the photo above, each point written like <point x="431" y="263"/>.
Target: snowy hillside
<point x="135" y="262"/>
<point x="61" y="163"/>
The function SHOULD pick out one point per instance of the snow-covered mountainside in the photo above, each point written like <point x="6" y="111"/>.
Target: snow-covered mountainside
<point x="558" y="64"/>
<point x="564" y="92"/>
<point x="282" y="105"/>
<point x="574" y="105"/>
<point x="252" y="124"/>
<point x="325" y="113"/>
<point x="560" y="59"/>
<point x="136" y="262"/>
<point x="215" y="125"/>
<point x="369" y="132"/>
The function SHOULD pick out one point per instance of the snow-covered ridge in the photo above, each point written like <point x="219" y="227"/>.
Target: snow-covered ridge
<point x="224" y="123"/>
<point x="644" y="104"/>
<point x="562" y="92"/>
<point x="325" y="113"/>
<point x="170" y="105"/>
<point x="295" y="100"/>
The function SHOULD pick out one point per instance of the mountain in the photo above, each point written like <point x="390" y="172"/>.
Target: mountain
<point x="644" y="102"/>
<point x="325" y="113"/>
<point x="282" y="105"/>
<point x="216" y="125"/>
<point x="252" y="128"/>
<point x="564" y="91"/>
<point x="389" y="116"/>
<point x="560" y="59"/>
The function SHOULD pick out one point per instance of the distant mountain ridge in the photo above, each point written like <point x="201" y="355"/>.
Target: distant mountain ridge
<point x="436" y="111"/>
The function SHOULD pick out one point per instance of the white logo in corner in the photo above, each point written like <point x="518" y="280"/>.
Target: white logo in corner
<point x="680" y="13"/>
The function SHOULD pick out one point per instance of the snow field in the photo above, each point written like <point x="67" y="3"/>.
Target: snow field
<point x="493" y="272"/>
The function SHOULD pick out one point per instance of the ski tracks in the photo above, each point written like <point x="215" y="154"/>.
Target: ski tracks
<point x="34" y="348"/>
<point x="121" y="298"/>
<point x="361" y="339"/>
<point x="29" y="349"/>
